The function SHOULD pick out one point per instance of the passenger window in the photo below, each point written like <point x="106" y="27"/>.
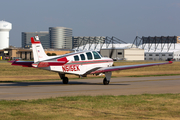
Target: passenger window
<point x="96" y="55"/>
<point x="76" y="58"/>
<point x="82" y="56"/>
<point x="89" y="55"/>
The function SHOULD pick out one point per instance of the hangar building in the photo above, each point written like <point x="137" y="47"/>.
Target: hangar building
<point x="110" y="47"/>
<point x="123" y="53"/>
<point x="83" y="40"/>
<point x="159" y="47"/>
<point x="157" y="53"/>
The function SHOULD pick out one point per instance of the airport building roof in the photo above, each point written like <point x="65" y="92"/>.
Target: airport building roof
<point x="97" y="47"/>
<point x="157" y="48"/>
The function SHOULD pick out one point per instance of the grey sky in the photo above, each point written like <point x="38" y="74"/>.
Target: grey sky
<point x="123" y="19"/>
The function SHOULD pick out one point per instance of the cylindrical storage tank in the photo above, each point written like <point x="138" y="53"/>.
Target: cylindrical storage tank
<point x="60" y="37"/>
<point x="5" y="27"/>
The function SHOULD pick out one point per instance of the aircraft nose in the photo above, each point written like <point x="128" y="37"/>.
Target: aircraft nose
<point x="110" y="59"/>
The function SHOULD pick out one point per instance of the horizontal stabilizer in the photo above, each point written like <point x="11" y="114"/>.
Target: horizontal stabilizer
<point x="22" y="63"/>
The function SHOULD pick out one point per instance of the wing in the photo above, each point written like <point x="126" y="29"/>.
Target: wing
<point x="115" y="68"/>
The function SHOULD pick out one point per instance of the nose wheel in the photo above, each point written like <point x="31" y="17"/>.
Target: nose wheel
<point x="65" y="80"/>
<point x="105" y="81"/>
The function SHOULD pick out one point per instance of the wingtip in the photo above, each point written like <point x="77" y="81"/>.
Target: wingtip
<point x="11" y="61"/>
<point x="170" y="62"/>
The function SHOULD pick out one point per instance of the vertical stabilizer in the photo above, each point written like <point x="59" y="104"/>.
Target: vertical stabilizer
<point x="38" y="51"/>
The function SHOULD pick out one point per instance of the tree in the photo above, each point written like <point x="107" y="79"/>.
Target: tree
<point x="49" y="54"/>
<point x="53" y="54"/>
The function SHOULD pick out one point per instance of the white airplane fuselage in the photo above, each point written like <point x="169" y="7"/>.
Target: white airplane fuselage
<point x="81" y="67"/>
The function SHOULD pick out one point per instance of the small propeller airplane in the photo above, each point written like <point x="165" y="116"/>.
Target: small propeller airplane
<point x="78" y="63"/>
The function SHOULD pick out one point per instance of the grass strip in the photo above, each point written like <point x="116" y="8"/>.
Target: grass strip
<point x="146" y="106"/>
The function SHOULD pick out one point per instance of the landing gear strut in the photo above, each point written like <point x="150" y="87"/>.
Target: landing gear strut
<point x="105" y="82"/>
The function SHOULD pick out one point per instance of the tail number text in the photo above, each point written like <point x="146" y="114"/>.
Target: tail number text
<point x="67" y="68"/>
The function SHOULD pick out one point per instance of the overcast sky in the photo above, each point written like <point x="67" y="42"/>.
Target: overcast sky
<point x="124" y="19"/>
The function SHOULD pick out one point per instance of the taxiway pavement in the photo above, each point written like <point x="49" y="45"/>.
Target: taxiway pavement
<point x="117" y="86"/>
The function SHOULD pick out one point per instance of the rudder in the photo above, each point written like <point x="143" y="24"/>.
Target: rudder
<point x="38" y="51"/>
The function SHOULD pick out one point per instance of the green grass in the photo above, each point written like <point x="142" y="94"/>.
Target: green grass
<point x="146" y="106"/>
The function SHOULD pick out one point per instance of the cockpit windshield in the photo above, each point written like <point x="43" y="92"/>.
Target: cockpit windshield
<point x="96" y="55"/>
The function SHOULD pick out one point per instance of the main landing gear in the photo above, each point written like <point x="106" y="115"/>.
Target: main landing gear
<point x="105" y="82"/>
<point x="65" y="80"/>
<point x="107" y="78"/>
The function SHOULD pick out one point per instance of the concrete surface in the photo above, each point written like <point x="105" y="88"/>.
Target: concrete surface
<point x="117" y="86"/>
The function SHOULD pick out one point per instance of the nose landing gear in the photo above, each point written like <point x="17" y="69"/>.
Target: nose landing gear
<point x="105" y="81"/>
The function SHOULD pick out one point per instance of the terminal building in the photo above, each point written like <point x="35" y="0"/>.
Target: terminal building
<point x="55" y="38"/>
<point x="43" y="36"/>
<point x="60" y="38"/>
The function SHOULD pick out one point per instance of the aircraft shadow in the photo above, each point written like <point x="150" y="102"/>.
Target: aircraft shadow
<point x="52" y="83"/>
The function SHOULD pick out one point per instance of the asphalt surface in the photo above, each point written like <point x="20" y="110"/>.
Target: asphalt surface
<point x="117" y="86"/>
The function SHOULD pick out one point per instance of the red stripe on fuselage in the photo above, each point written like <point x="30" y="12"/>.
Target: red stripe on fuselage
<point x="47" y="64"/>
<point x="61" y="63"/>
<point x="63" y="59"/>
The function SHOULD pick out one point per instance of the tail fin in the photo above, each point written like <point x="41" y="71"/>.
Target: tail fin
<point x="38" y="51"/>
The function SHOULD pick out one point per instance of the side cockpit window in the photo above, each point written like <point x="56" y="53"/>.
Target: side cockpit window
<point x="76" y="58"/>
<point x="96" y="55"/>
<point x="89" y="55"/>
<point x="82" y="56"/>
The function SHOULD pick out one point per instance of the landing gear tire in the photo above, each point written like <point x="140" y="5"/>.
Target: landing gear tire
<point x="65" y="80"/>
<point x="105" y="82"/>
